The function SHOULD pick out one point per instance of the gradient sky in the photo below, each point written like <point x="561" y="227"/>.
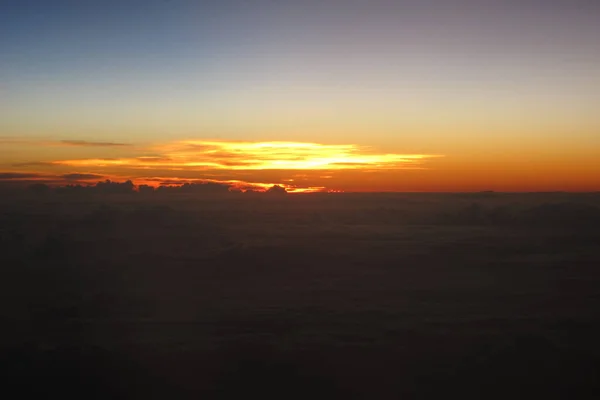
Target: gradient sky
<point x="340" y="94"/>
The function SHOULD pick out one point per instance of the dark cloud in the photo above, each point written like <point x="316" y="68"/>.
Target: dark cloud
<point x="114" y="187"/>
<point x="170" y="182"/>
<point x="145" y="189"/>
<point x="77" y="177"/>
<point x="106" y="187"/>
<point x="18" y="175"/>
<point x="92" y="144"/>
<point x="277" y="190"/>
<point x="204" y="188"/>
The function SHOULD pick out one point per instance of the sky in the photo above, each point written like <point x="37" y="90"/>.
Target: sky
<point x="341" y="95"/>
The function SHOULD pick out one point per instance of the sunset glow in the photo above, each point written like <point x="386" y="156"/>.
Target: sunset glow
<point x="333" y="95"/>
<point x="200" y="155"/>
<point x="199" y="160"/>
<point x="295" y="199"/>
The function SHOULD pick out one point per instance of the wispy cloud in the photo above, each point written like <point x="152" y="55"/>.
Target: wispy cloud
<point x="51" y="178"/>
<point x="85" y="143"/>
<point x="35" y="164"/>
<point x="6" y="140"/>
<point x="297" y="166"/>
<point x="206" y="155"/>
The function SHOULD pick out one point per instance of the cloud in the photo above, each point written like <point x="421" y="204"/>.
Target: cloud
<point x="71" y="183"/>
<point x="85" y="143"/>
<point x="178" y="182"/>
<point x="232" y="184"/>
<point x="35" y="164"/>
<point x="199" y="188"/>
<point x="114" y="187"/>
<point x="67" y="142"/>
<point x="253" y="156"/>
<point x="276" y="189"/>
<point x="244" y="165"/>
<point x="32" y="177"/>
<point x="153" y="159"/>
<point x="77" y="177"/>
<point x="27" y="178"/>
<point x="19" y="175"/>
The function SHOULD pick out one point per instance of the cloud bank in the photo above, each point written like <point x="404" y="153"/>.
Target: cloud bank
<point x="294" y="166"/>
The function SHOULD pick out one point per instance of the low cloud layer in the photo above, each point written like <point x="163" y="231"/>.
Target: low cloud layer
<point x="81" y="177"/>
<point x="100" y="183"/>
<point x="26" y="178"/>
<point x="18" y="175"/>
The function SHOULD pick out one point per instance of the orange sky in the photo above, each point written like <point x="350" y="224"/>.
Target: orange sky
<point x="378" y="95"/>
<point x="298" y="166"/>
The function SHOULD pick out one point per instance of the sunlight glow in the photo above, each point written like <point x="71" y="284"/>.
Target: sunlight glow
<point x="259" y="156"/>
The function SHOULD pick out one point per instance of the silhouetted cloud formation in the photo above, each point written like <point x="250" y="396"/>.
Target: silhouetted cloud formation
<point x="206" y="187"/>
<point x="276" y="189"/>
<point x="77" y="177"/>
<point x="106" y="187"/>
<point x="110" y="187"/>
<point x="114" y="187"/>
<point x="145" y="189"/>
<point x="18" y="175"/>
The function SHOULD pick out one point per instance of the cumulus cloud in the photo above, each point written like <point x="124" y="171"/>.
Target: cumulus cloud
<point x="114" y="187"/>
<point x="199" y="188"/>
<point x="105" y="187"/>
<point x="276" y="189"/>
